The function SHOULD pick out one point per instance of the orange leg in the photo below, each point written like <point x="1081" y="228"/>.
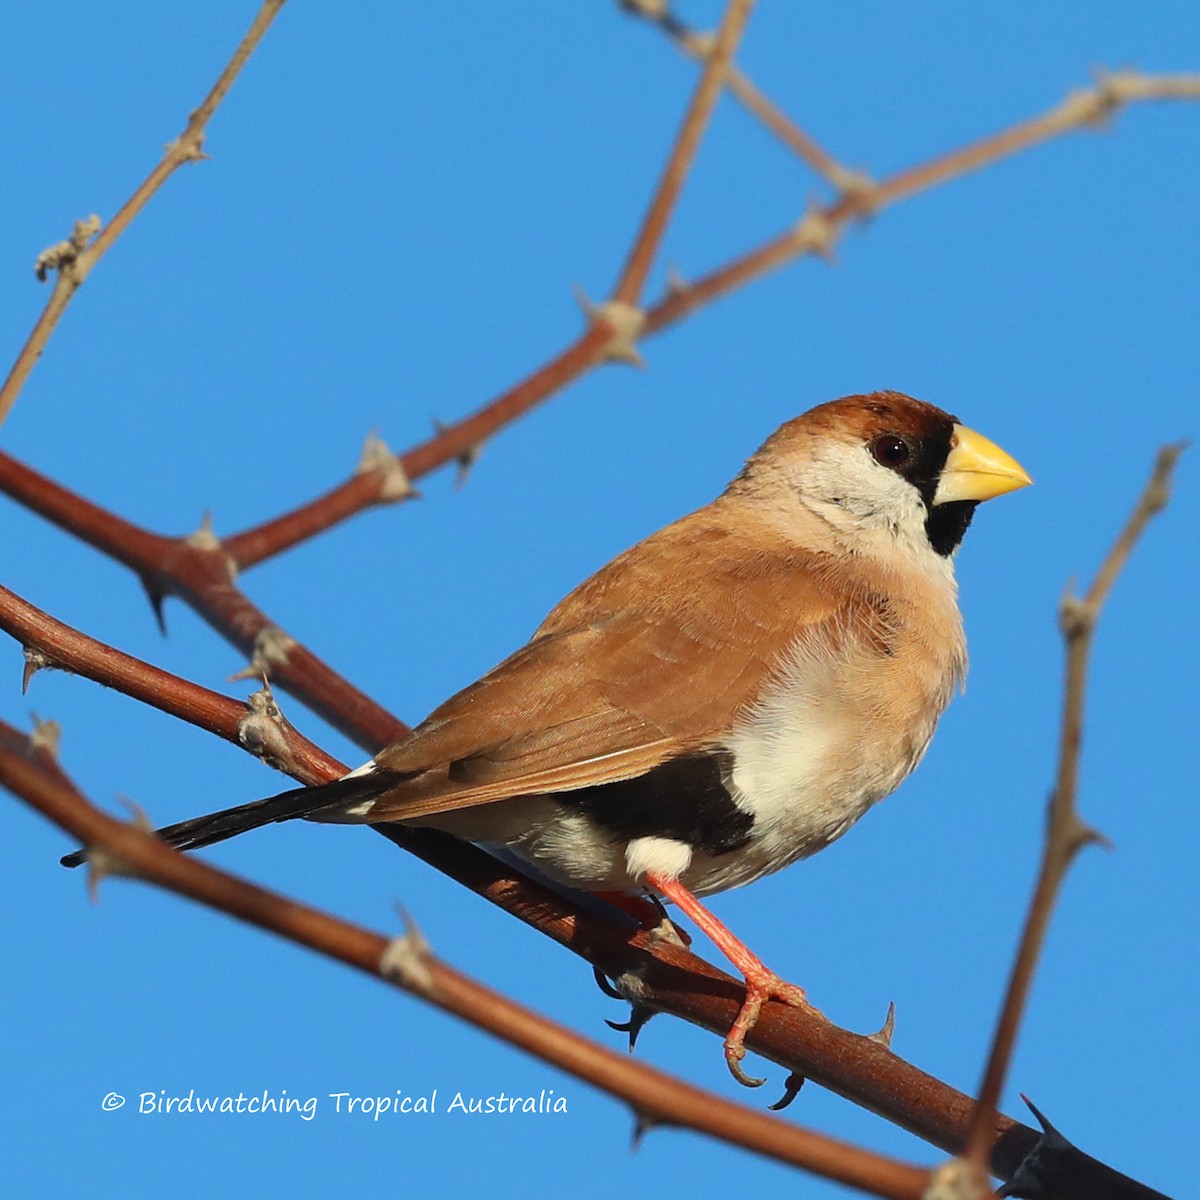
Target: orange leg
<point x="762" y="984"/>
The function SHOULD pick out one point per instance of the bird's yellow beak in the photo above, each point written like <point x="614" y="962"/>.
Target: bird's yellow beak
<point x="977" y="469"/>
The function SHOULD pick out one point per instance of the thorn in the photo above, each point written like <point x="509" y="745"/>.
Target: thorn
<point x="884" y="1036"/>
<point x="624" y="322"/>
<point x="639" y="1018"/>
<point x="642" y="1125"/>
<point x="466" y="460"/>
<point x="791" y="1089"/>
<point x="62" y="255"/>
<point x="1079" y="834"/>
<point x="405" y="959"/>
<point x="1047" y="1128"/>
<point x="46" y="736"/>
<point x="36" y="660"/>
<point x="137" y="815"/>
<point x="1027" y="1180"/>
<point x="156" y="596"/>
<point x="204" y="538"/>
<point x="377" y="457"/>
<point x="271" y="649"/>
<point x="603" y="983"/>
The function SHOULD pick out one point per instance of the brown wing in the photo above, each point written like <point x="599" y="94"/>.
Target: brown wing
<point x="653" y="656"/>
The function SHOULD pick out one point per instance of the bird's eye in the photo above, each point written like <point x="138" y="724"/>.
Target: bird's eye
<point x="891" y="451"/>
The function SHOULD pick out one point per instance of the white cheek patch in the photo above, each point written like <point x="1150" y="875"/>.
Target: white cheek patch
<point x="657" y="856"/>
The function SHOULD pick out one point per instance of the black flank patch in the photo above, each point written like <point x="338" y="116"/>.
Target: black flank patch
<point x="686" y="799"/>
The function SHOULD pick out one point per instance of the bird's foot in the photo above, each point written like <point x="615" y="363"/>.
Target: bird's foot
<point x="761" y="985"/>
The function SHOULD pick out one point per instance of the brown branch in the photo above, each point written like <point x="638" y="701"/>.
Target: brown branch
<point x="819" y="230"/>
<point x="257" y="725"/>
<point x="862" y="1069"/>
<point x="1066" y="833"/>
<point x="816" y="233"/>
<point x="637" y="265"/>
<point x="699" y="46"/>
<point x="406" y="963"/>
<point x="198" y="570"/>
<point x="74" y="259"/>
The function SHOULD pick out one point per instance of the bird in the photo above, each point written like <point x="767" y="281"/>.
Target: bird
<point x="725" y="698"/>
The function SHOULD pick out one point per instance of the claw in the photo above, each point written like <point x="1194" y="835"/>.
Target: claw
<point x="605" y="985"/>
<point x="733" y="1060"/>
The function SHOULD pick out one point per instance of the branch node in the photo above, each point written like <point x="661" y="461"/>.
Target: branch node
<point x="271" y="649"/>
<point x="102" y="861"/>
<point x="623" y="323"/>
<point x="207" y="542"/>
<point x="855" y="186"/>
<point x="378" y="459"/>
<point x="62" y="256"/>
<point x="884" y="1035"/>
<point x="1076" y="617"/>
<point x="188" y="146"/>
<point x="816" y="234"/>
<point x="262" y="731"/>
<point x="957" y="1180"/>
<point x="405" y="960"/>
<point x="37" y="660"/>
<point x="1094" y="107"/>
<point x="45" y="737"/>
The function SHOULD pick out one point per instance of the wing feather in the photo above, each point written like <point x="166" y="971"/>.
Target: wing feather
<point x="630" y="670"/>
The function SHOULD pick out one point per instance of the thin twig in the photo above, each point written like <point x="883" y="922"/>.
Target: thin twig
<point x="1066" y="833"/>
<point x="257" y="726"/>
<point x="699" y="45"/>
<point x="819" y="230"/>
<point x="75" y="268"/>
<point x="637" y="266"/>
<point x="408" y="964"/>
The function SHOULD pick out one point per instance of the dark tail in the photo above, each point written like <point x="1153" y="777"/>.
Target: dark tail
<point x="299" y="802"/>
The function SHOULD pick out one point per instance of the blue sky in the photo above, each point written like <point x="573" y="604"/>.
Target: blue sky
<point x="399" y="201"/>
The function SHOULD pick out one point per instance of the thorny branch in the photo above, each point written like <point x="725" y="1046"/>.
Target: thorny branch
<point x="202" y="570"/>
<point x="407" y="963"/>
<point x="657" y="975"/>
<point x="1066" y="833"/>
<point x="74" y="259"/>
<point x="699" y="46"/>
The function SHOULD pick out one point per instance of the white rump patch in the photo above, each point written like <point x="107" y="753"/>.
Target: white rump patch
<point x="657" y="856"/>
<point x="364" y="807"/>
